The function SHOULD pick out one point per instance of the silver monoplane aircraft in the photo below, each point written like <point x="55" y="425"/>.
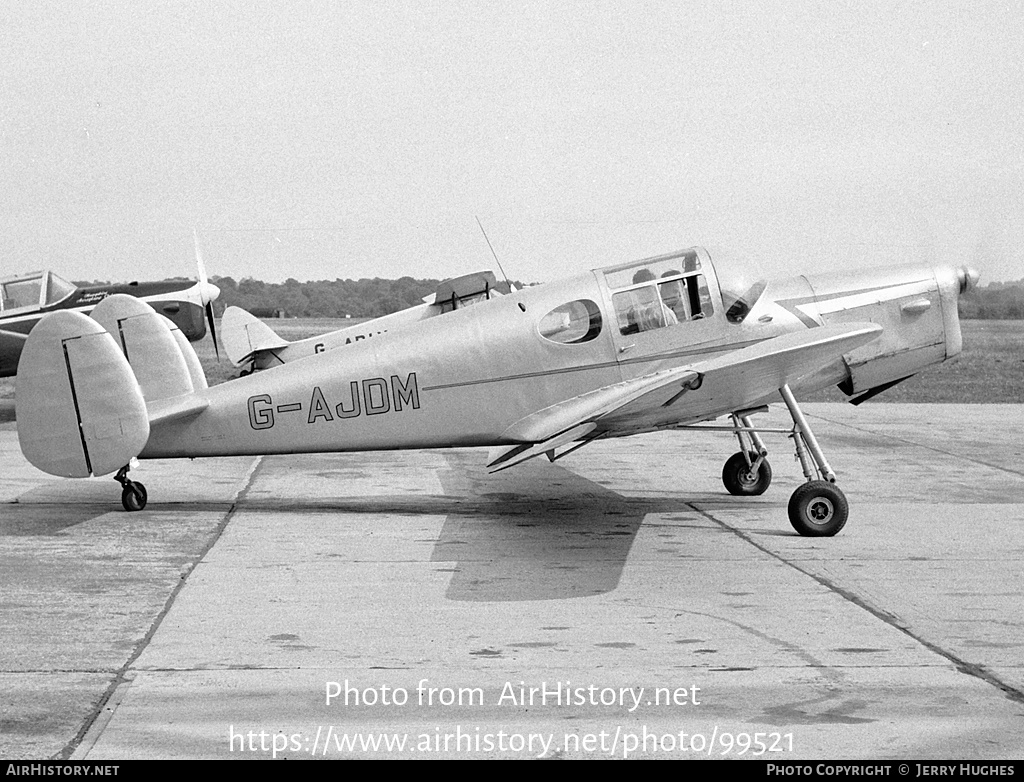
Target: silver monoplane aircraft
<point x="650" y="345"/>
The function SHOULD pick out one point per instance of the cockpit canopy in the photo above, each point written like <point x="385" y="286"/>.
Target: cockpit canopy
<point x="657" y="292"/>
<point x="37" y="289"/>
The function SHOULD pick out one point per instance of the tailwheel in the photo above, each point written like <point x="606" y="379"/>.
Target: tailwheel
<point x="133" y="493"/>
<point x="746" y="474"/>
<point x="818" y="509"/>
<point x="134" y="496"/>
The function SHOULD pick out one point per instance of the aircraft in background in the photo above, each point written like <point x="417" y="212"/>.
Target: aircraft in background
<point x="652" y="345"/>
<point x="248" y="340"/>
<point x="26" y="298"/>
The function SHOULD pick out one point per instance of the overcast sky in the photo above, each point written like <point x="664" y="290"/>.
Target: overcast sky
<point x="360" y="139"/>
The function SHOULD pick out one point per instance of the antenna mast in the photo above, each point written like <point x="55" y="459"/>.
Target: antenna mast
<point x="507" y="280"/>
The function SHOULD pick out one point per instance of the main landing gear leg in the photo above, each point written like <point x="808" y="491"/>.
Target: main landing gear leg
<point x="133" y="493"/>
<point x="747" y="473"/>
<point x="818" y="508"/>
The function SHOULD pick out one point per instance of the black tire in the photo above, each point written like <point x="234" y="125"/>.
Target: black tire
<point x="740" y="481"/>
<point x="134" y="497"/>
<point x="818" y="509"/>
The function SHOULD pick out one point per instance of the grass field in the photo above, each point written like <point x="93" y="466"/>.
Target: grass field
<point x="990" y="369"/>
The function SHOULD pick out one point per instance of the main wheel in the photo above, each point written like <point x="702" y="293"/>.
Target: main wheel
<point x="818" y="509"/>
<point x="134" y="496"/>
<point x="739" y="480"/>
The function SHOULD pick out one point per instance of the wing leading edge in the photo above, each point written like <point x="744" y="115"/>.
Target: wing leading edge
<point x="11" y="345"/>
<point x="707" y="389"/>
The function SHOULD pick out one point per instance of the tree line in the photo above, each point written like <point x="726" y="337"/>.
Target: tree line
<point x="995" y="301"/>
<point x="365" y="298"/>
<point x="373" y="298"/>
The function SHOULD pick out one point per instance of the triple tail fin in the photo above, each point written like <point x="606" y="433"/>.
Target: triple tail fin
<point x="89" y="388"/>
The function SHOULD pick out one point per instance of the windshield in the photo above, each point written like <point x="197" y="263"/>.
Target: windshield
<point x="741" y="282"/>
<point x="58" y="289"/>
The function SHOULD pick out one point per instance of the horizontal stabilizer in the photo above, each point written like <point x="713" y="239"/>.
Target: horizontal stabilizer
<point x="245" y="335"/>
<point x="177" y="408"/>
<point x="80" y="410"/>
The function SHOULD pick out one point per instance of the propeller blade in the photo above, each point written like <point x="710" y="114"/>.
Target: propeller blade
<point x="204" y="296"/>
<point x="199" y="258"/>
<point x="213" y="328"/>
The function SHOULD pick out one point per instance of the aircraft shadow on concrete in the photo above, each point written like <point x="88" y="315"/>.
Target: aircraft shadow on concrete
<point x="538" y="532"/>
<point x="535" y="532"/>
<point x="37" y="520"/>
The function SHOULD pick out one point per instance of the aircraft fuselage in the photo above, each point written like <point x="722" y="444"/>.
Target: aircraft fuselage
<point x="464" y="379"/>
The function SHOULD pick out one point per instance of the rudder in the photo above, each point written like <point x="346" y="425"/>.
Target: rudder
<point x="79" y="408"/>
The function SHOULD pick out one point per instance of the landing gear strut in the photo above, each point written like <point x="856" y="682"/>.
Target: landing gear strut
<point x="747" y="473"/>
<point x="133" y="493"/>
<point x="818" y="508"/>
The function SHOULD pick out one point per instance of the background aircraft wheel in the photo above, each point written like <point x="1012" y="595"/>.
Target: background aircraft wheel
<point x="739" y="480"/>
<point x="818" y="509"/>
<point x="134" y="496"/>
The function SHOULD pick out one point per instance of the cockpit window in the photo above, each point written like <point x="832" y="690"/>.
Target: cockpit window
<point x="21" y="293"/>
<point x="659" y="292"/>
<point x="573" y="323"/>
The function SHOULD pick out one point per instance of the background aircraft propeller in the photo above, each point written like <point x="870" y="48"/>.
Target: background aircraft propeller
<point x="207" y="293"/>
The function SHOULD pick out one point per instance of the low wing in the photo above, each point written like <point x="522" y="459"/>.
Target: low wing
<point x="11" y="345"/>
<point x="707" y="389"/>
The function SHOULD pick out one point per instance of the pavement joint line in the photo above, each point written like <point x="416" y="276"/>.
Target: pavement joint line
<point x="101" y="715"/>
<point x="963" y="666"/>
<point x="693" y="666"/>
<point x="16" y="671"/>
<point x="933" y="449"/>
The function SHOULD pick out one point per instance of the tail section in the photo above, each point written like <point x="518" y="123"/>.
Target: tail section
<point x="147" y="341"/>
<point x="89" y="388"/>
<point x="245" y="335"/>
<point x="80" y="409"/>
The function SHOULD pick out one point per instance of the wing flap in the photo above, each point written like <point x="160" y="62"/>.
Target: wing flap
<point x="504" y="458"/>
